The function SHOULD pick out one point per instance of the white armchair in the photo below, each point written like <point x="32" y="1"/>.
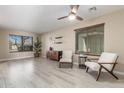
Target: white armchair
<point x="66" y="58"/>
<point x="106" y="63"/>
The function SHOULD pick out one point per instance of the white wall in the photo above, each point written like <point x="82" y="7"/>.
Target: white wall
<point x="4" y="45"/>
<point x="68" y="40"/>
<point x="113" y="31"/>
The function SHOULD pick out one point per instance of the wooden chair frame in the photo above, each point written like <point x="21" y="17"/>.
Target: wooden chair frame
<point x="103" y="67"/>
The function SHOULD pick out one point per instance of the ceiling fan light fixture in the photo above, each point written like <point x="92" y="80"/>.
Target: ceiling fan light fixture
<point x="92" y="9"/>
<point x="72" y="16"/>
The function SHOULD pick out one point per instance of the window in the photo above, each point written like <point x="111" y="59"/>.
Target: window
<point x="27" y="43"/>
<point x="20" y="43"/>
<point x="90" y="39"/>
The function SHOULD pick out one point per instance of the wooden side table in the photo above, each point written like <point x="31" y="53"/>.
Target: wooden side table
<point x="54" y="55"/>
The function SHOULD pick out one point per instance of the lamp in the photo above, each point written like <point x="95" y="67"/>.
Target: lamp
<point x="71" y="16"/>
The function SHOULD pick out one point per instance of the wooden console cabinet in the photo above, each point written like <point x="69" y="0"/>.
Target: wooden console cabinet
<point x="54" y="55"/>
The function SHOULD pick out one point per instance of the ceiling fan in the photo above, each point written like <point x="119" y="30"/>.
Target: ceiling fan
<point x="73" y="14"/>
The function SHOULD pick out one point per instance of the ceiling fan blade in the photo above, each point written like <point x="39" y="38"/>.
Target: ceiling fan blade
<point x="62" y="17"/>
<point x="77" y="6"/>
<point x="71" y="6"/>
<point x="79" y="18"/>
<point x="74" y="8"/>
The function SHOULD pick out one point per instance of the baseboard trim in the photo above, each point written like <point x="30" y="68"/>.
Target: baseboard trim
<point x="121" y="73"/>
<point x="9" y="59"/>
<point x="44" y="56"/>
<point x="75" y="63"/>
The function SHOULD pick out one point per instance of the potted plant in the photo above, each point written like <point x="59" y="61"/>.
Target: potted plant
<point x="37" y="48"/>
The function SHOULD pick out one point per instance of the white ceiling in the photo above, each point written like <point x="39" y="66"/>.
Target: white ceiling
<point x="44" y="17"/>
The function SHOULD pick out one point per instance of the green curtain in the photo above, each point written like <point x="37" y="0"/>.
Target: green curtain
<point x="91" y="40"/>
<point x="95" y="44"/>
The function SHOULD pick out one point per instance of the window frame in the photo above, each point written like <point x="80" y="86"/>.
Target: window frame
<point x="21" y="44"/>
<point x="83" y="30"/>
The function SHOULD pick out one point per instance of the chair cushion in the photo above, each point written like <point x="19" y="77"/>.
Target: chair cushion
<point x="65" y="60"/>
<point x="93" y="65"/>
<point x="107" y="57"/>
<point x="67" y="54"/>
<point x="104" y="58"/>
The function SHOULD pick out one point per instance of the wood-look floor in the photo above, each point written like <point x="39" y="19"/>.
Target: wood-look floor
<point x="43" y="73"/>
